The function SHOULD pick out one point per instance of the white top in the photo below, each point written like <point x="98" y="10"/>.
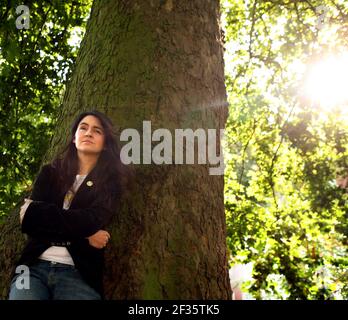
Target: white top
<point x="61" y="254"/>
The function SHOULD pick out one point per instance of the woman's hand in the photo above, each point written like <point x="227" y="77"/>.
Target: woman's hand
<point x="99" y="240"/>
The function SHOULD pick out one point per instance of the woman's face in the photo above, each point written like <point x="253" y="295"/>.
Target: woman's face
<point x="89" y="136"/>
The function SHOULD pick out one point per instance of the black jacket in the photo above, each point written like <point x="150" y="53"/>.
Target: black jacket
<point x="47" y="223"/>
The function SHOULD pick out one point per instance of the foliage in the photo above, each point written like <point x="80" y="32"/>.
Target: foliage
<point x="35" y="64"/>
<point x="284" y="211"/>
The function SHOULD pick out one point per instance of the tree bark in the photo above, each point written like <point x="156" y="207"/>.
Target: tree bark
<point x="161" y="61"/>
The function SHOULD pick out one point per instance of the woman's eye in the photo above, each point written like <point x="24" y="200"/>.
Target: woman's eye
<point x="82" y="128"/>
<point x="99" y="131"/>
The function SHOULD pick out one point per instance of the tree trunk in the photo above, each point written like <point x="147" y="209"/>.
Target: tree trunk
<point x="161" y="61"/>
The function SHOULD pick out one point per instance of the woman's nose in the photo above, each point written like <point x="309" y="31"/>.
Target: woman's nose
<point x="88" y="133"/>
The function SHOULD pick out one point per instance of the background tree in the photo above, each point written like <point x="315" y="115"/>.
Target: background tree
<point x="160" y="61"/>
<point x="285" y="213"/>
<point x="34" y="66"/>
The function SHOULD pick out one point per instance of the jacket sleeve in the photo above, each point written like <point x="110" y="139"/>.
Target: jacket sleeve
<point x="42" y="218"/>
<point x="40" y="190"/>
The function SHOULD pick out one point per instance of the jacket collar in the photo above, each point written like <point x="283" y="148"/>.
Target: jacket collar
<point x="85" y="190"/>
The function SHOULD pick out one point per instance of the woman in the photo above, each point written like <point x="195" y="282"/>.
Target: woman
<point x="72" y="201"/>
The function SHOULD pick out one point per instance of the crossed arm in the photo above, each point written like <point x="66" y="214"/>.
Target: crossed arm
<point x="42" y="219"/>
<point x="45" y="220"/>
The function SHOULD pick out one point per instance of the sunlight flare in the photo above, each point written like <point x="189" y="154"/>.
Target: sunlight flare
<point x="326" y="84"/>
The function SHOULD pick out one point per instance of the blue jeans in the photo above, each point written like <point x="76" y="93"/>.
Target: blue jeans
<point x="53" y="281"/>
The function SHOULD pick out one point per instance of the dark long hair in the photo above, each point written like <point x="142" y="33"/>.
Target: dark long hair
<point x="109" y="166"/>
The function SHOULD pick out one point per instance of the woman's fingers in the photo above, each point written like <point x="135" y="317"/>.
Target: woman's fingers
<point x="99" y="239"/>
<point x="107" y="236"/>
